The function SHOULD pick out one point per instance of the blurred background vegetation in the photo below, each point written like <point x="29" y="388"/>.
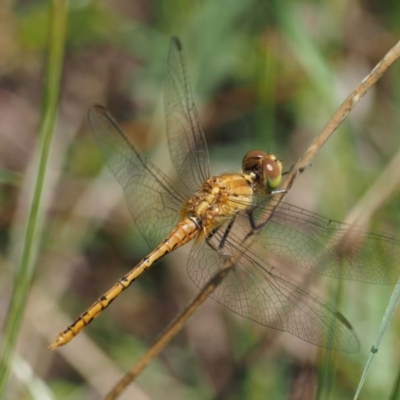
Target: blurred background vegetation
<point x="265" y="74"/>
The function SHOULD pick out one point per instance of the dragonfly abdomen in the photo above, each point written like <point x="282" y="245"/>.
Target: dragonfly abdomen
<point x="184" y="232"/>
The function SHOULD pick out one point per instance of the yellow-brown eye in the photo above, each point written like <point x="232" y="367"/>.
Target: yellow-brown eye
<point x="266" y="167"/>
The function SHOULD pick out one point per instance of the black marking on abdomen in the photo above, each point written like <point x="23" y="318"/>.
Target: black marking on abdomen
<point x="166" y="251"/>
<point x="109" y="302"/>
<point x="81" y="318"/>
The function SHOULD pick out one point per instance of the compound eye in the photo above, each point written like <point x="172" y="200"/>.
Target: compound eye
<point x="272" y="172"/>
<point x="252" y="162"/>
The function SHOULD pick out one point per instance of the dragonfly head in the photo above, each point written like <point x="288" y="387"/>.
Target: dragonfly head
<point x="266" y="168"/>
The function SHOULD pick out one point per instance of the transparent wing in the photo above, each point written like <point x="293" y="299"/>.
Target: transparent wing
<point x="187" y="145"/>
<point x="328" y="247"/>
<point x="257" y="291"/>
<point x="152" y="200"/>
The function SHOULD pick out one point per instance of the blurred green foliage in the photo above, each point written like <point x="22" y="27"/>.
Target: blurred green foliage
<point x="265" y="75"/>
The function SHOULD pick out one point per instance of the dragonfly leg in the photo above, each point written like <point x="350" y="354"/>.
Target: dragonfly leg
<point x="279" y="191"/>
<point x="226" y="233"/>
<point x="224" y="236"/>
<point x="254" y="226"/>
<point x="211" y="235"/>
<point x="219" y="247"/>
<point x="299" y="171"/>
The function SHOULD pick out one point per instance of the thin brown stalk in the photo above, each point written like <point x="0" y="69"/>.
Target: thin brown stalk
<point x="340" y="115"/>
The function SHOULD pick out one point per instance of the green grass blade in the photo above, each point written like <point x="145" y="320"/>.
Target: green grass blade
<point x="307" y="53"/>
<point x="31" y="241"/>
<point x="396" y="389"/>
<point x="386" y="320"/>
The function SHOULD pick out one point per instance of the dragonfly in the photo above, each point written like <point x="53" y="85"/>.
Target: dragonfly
<point x="219" y="213"/>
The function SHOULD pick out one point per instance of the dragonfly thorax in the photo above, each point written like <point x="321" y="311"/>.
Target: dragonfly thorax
<point x="219" y="199"/>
